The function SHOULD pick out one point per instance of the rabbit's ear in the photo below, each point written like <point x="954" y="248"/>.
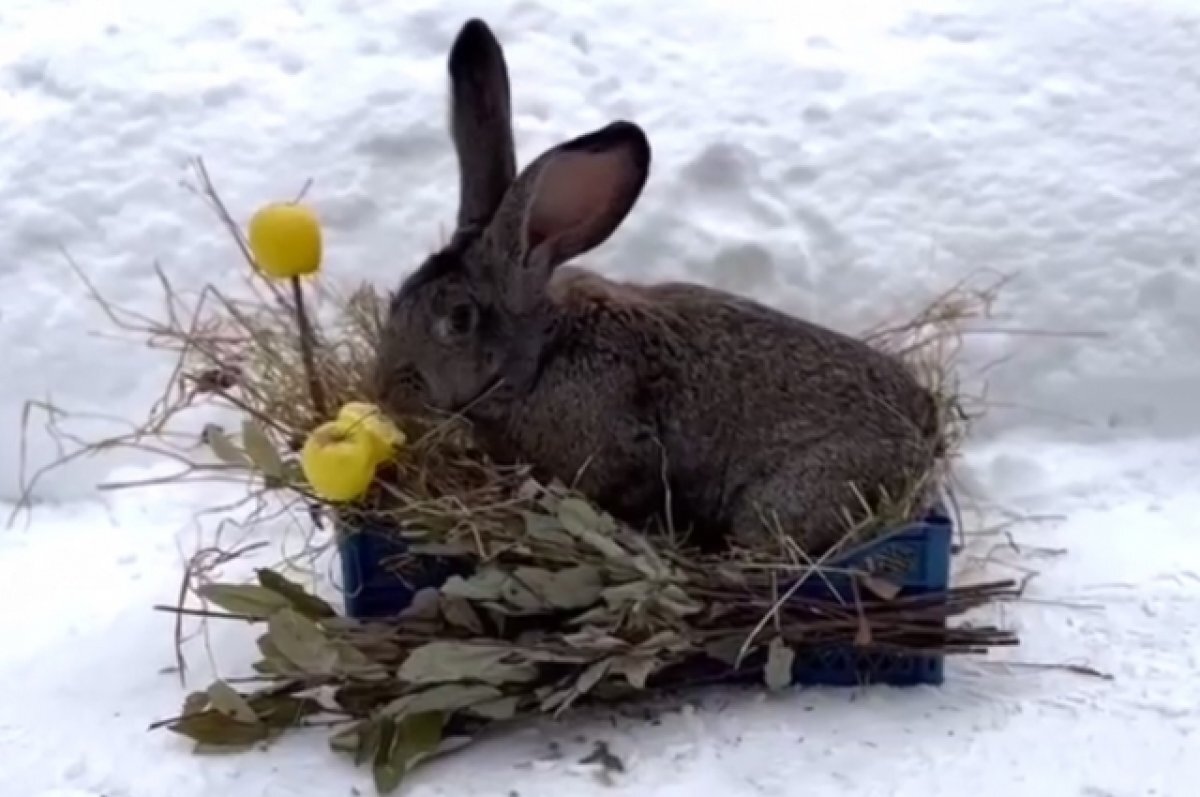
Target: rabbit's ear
<point x="480" y="122"/>
<point x="570" y="200"/>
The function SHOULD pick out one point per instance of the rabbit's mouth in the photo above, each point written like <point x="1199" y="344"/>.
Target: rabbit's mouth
<point x="454" y="387"/>
<point x="417" y="392"/>
<point x="479" y="398"/>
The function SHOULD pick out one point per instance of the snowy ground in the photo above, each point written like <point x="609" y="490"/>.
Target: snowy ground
<point x="841" y="163"/>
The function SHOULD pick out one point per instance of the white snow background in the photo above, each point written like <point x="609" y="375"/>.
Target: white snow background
<point x="845" y="161"/>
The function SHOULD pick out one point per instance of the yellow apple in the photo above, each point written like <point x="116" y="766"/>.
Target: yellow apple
<point x="385" y="435"/>
<point x="285" y="240"/>
<point x="338" y="460"/>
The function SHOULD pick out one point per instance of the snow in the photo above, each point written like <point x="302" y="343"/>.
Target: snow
<point x="844" y="163"/>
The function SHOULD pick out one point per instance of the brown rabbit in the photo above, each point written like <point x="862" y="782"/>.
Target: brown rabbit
<point x="635" y="394"/>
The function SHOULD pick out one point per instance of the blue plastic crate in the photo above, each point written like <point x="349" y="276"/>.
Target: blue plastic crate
<point x="843" y="665"/>
<point x="371" y="588"/>
<point x="916" y="559"/>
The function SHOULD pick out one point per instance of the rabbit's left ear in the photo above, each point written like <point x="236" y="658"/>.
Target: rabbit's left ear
<point x="568" y="201"/>
<point x="480" y="122"/>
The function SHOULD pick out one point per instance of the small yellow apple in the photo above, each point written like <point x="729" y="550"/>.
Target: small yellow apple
<point x="285" y="240"/>
<point x="385" y="435"/>
<point x="338" y="460"/>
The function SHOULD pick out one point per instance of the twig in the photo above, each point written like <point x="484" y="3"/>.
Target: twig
<point x="206" y="613"/>
<point x="1074" y="669"/>
<point x="315" y="390"/>
<point x="208" y="192"/>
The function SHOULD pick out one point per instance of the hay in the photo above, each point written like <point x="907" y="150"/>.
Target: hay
<point x="554" y="603"/>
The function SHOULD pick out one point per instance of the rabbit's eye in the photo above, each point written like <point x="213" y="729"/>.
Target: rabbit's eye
<point x="461" y="319"/>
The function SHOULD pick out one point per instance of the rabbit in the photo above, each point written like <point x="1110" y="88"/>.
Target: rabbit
<point x="671" y="403"/>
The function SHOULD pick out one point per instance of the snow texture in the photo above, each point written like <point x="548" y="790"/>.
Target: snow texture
<point x="842" y="161"/>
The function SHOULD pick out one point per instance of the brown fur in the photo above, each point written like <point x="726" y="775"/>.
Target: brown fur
<point x="573" y="289"/>
<point x="632" y="392"/>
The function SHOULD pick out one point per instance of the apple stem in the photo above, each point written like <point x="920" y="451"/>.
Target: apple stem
<point x="315" y="390"/>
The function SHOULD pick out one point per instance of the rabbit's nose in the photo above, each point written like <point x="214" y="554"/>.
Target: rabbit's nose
<point x="399" y="387"/>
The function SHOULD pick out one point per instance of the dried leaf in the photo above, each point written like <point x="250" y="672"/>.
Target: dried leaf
<point x="553" y="698"/>
<point x="361" y="699"/>
<point x="523" y="590"/>
<point x="530" y="489"/>
<point x="584" y="523"/>
<point x="601" y="615"/>
<point x="353" y="663"/>
<point x="533" y="654"/>
<point x="244" y="599"/>
<point x="546" y="529"/>
<point x="497" y="710"/>
<point x="881" y="587"/>
<point x="646" y="567"/>
<point x="459" y="613"/>
<point x="300" y="599"/>
<point x="448" y="662"/>
<point x="629" y="592"/>
<point x="266" y="668"/>
<point x="283" y="711"/>
<point x="549" y="496"/>
<point x="535" y="589"/>
<point x="778" y="672"/>
<point x="369" y="739"/>
<point x="587" y="679"/>
<point x="594" y="639"/>
<point x="212" y="728"/>
<point x="574" y="587"/>
<point x="636" y="669"/>
<point x="862" y="636"/>
<point x="725" y="649"/>
<point x="445" y="697"/>
<point x="405" y="745"/>
<point x="485" y="584"/>
<point x="592" y="675"/>
<point x="663" y="642"/>
<point x="302" y="643"/>
<point x="578" y="512"/>
<point x="387" y="776"/>
<point x="649" y="563"/>
<point x="261" y="451"/>
<point x="423" y="606"/>
<point x="225" y="699"/>
<point x="679" y="602"/>
<point x="195" y="703"/>
<point x="222" y="447"/>
<point x="274" y="662"/>
<point x="421" y="735"/>
<point x="347" y="739"/>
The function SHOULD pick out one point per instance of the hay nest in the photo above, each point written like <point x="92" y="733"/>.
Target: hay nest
<point x="545" y="602"/>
